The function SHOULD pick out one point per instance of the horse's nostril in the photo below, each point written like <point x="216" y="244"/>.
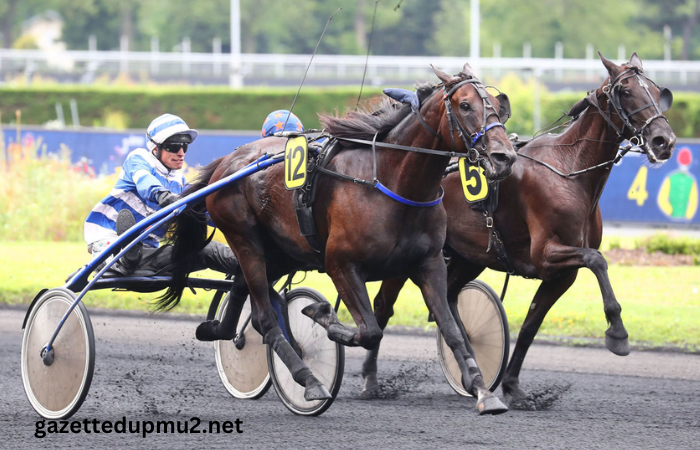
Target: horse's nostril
<point x="500" y="158"/>
<point x="659" y="142"/>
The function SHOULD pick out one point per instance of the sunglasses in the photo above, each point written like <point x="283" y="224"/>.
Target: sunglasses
<point x="174" y="147"/>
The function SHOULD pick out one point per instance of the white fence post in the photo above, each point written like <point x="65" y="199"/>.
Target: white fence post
<point x="559" y="55"/>
<point x="154" y="54"/>
<point x="527" y="50"/>
<point x="216" y="44"/>
<point x="621" y="53"/>
<point x="589" y="57"/>
<point x="124" y="54"/>
<point x="497" y="55"/>
<point x="186" y="49"/>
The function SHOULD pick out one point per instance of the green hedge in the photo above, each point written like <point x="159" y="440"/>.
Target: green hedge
<point x="221" y="108"/>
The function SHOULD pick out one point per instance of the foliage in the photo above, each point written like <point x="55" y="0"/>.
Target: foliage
<point x="44" y="198"/>
<point x="440" y="27"/>
<point x="671" y="245"/>
<point x="222" y="108"/>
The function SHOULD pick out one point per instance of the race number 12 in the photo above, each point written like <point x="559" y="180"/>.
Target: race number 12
<point x="295" y="159"/>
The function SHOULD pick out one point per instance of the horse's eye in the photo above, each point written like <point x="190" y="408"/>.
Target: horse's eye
<point x="464" y="106"/>
<point x="627" y="93"/>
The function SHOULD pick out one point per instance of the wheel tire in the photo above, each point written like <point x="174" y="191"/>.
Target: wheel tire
<point x="57" y="391"/>
<point x="325" y="358"/>
<point x="243" y="372"/>
<point x="485" y="322"/>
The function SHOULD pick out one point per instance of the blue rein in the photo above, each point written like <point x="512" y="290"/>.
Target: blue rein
<point x="488" y="127"/>
<point x="408" y="202"/>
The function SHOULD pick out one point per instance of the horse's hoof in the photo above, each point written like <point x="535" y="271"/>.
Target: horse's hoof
<point x="206" y="331"/>
<point x="371" y="389"/>
<point x="620" y="347"/>
<point x="322" y="313"/>
<point x="316" y="392"/>
<point x="513" y="394"/>
<point x="491" y="405"/>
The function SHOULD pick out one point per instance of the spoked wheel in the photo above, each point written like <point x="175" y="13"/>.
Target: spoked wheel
<point x="325" y="358"/>
<point x="57" y="390"/>
<point x="242" y="370"/>
<point x="484" y="320"/>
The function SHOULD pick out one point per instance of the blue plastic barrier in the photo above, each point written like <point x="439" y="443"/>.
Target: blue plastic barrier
<point x="635" y="192"/>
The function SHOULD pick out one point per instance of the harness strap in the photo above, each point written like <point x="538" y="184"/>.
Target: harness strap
<point x="385" y="190"/>
<point x="402" y="147"/>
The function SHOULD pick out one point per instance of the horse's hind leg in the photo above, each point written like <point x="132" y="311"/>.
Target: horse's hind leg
<point x="546" y="296"/>
<point x="383" y="310"/>
<point x="213" y="330"/>
<point x="430" y="278"/>
<point x="351" y="288"/>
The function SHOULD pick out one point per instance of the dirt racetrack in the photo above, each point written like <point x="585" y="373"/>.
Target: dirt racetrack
<point x="150" y="368"/>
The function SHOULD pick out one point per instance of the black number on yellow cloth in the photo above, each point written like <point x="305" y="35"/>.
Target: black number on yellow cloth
<point x="474" y="184"/>
<point x="295" y="162"/>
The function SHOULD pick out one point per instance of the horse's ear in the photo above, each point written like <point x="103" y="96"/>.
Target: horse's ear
<point x="636" y="61"/>
<point x="444" y="77"/>
<point x="611" y="66"/>
<point x="503" y="107"/>
<point x="468" y="71"/>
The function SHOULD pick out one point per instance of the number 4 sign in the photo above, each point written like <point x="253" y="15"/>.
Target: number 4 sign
<point x="638" y="189"/>
<point x="295" y="162"/>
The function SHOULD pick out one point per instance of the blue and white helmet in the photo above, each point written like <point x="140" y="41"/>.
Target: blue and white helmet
<point x="166" y="126"/>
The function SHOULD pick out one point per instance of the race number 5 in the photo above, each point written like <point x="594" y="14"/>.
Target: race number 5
<point x="474" y="184"/>
<point x="295" y="159"/>
<point x="638" y="189"/>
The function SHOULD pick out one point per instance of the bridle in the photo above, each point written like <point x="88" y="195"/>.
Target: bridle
<point x="612" y="92"/>
<point x="474" y="154"/>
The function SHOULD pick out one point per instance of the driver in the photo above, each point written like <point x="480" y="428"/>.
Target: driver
<point x="151" y="179"/>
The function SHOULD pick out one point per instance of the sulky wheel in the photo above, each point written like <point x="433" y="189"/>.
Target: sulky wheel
<point x="57" y="390"/>
<point x="242" y="370"/>
<point x="325" y="358"/>
<point x="484" y="319"/>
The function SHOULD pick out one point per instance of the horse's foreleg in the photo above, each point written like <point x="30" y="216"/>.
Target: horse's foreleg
<point x="383" y="310"/>
<point x="558" y="258"/>
<point x="351" y="288"/>
<point x="547" y="295"/>
<point x="430" y="278"/>
<point x="616" y="338"/>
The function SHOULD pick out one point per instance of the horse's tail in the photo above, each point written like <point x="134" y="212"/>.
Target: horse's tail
<point x="188" y="236"/>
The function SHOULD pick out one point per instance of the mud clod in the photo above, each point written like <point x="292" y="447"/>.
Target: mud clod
<point x="542" y="399"/>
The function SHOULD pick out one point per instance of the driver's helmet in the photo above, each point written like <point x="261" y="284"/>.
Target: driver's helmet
<point x="275" y="122"/>
<point x="166" y="126"/>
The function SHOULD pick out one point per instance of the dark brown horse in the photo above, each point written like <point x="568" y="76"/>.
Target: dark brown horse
<point x="551" y="223"/>
<point x="366" y="235"/>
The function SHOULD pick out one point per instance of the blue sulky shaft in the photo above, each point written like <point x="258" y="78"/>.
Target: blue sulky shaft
<point x="140" y="231"/>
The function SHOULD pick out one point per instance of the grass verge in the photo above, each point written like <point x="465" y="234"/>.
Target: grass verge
<point x="660" y="304"/>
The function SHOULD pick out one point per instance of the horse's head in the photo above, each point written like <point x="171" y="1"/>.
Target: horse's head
<point x="478" y="118"/>
<point x="640" y="104"/>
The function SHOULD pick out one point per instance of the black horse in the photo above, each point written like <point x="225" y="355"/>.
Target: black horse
<point x="366" y="233"/>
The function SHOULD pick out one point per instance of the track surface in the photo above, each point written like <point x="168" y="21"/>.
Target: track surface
<point x="152" y="369"/>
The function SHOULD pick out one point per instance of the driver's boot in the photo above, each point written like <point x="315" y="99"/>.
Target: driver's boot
<point x="130" y="261"/>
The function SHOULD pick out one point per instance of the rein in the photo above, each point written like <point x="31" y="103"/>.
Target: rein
<point x="612" y="92"/>
<point x="473" y="154"/>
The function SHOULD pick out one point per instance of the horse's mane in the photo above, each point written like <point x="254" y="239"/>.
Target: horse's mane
<point x="376" y="118"/>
